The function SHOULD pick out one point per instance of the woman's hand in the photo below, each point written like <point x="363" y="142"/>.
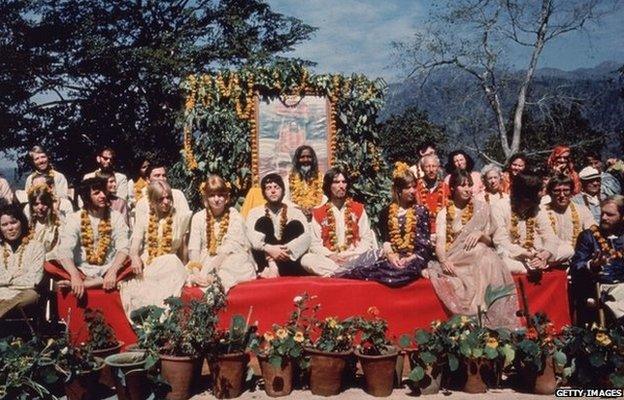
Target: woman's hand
<point x="393" y="258"/>
<point x="471" y="240"/>
<point x="448" y="268"/>
<point x="136" y="265"/>
<point x="77" y="284"/>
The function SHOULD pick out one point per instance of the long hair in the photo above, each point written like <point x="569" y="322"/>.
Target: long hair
<point x="458" y="178"/>
<point x="400" y="181"/>
<point x="313" y="174"/>
<point x="95" y="183"/>
<point x="450" y="166"/>
<point x="155" y="190"/>
<point x="214" y="185"/>
<point x="328" y="179"/>
<point x="15" y="211"/>
<point x="525" y="188"/>
<point x="517" y="156"/>
<point x="44" y="195"/>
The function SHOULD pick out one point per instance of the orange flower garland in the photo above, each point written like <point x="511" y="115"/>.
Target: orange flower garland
<point x="283" y="219"/>
<point x="138" y="189"/>
<point x="423" y="192"/>
<point x="402" y="242"/>
<point x="214" y="241"/>
<point x="20" y="251"/>
<point x="158" y="245"/>
<point x="530" y="231"/>
<point x="576" y="222"/>
<point x="605" y="247"/>
<point x="450" y="217"/>
<point x="95" y="256"/>
<point x="349" y="221"/>
<point x="305" y="195"/>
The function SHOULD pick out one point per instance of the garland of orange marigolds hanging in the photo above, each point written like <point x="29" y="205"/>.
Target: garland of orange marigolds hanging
<point x="530" y="231"/>
<point x="214" y="241"/>
<point x="576" y="222"/>
<point x="305" y="194"/>
<point x="349" y="221"/>
<point x="605" y="248"/>
<point x="95" y="256"/>
<point x="158" y="245"/>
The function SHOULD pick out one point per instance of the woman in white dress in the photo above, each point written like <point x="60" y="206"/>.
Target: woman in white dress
<point x="45" y="219"/>
<point x="22" y="261"/>
<point x="218" y="243"/>
<point x="157" y="251"/>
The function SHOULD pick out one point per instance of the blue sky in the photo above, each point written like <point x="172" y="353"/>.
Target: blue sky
<point x="355" y="36"/>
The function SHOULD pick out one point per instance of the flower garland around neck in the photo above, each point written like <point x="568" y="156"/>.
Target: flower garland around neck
<point x="95" y="256"/>
<point x="402" y="241"/>
<point x="20" y="250"/>
<point x="576" y="222"/>
<point x="605" y="247"/>
<point x="214" y="241"/>
<point x="283" y="219"/>
<point x="487" y="196"/>
<point x="158" y="245"/>
<point x="423" y="192"/>
<point x="305" y="194"/>
<point x="450" y="217"/>
<point x="530" y="231"/>
<point x="349" y="221"/>
<point x="138" y="189"/>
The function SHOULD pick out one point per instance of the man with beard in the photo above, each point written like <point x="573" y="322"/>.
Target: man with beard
<point x="278" y="233"/>
<point x="106" y="161"/>
<point x="305" y="183"/>
<point x="599" y="257"/>
<point x="43" y="168"/>
<point x="340" y="228"/>
<point x="431" y="191"/>
<point x="567" y="219"/>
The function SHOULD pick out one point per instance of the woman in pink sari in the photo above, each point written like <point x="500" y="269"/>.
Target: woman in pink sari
<point x="467" y="264"/>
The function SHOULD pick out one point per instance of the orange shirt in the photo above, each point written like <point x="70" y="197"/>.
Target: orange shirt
<point x="434" y="200"/>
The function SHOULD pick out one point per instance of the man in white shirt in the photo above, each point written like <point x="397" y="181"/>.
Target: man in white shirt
<point x="43" y="167"/>
<point x="106" y="161"/>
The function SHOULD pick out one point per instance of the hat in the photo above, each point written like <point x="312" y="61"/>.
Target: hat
<point x="589" y="173"/>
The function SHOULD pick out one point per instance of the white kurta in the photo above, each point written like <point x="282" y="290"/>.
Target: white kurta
<point x="164" y="276"/>
<point x="122" y="183"/>
<point x="60" y="184"/>
<point x="237" y="264"/>
<point x="49" y="236"/>
<point x="297" y="247"/>
<point x="70" y="245"/>
<point x="317" y="260"/>
<point x="141" y="209"/>
<point x="564" y="228"/>
<point x="543" y="237"/>
<point x="15" y="277"/>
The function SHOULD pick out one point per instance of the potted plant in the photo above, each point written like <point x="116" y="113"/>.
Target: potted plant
<point x="538" y="355"/>
<point x="596" y="355"/>
<point x="427" y="360"/>
<point x="129" y="374"/>
<point x="229" y="358"/>
<point x="329" y="354"/>
<point x="102" y="341"/>
<point x="179" y="336"/>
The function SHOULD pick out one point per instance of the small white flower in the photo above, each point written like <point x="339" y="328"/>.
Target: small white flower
<point x="297" y="299"/>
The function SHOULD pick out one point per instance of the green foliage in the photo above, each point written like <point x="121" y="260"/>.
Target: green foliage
<point x="101" y="334"/>
<point x="373" y="334"/>
<point x="236" y="339"/>
<point x="335" y="335"/>
<point x="430" y="351"/>
<point x="539" y="341"/>
<point x="402" y="134"/>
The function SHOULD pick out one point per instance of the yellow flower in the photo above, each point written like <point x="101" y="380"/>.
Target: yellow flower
<point x="464" y="320"/>
<point x="268" y="336"/>
<point x="603" y="339"/>
<point x="281" y="333"/>
<point x="299" y="337"/>
<point x="331" y="322"/>
<point x="492" y="342"/>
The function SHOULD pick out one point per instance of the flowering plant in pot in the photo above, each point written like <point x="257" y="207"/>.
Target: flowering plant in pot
<point x="539" y="354"/>
<point x="102" y="341"/>
<point x="596" y="355"/>
<point x="376" y="353"/>
<point x="427" y="361"/>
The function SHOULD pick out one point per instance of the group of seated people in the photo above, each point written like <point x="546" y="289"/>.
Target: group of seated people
<point x="464" y="231"/>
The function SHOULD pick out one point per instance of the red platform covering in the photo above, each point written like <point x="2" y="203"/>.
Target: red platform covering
<point x="405" y="309"/>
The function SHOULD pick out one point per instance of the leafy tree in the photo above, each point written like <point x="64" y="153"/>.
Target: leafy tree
<point x="402" y="134"/>
<point x="115" y="68"/>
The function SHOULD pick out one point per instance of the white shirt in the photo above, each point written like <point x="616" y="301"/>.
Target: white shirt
<point x="14" y="276"/>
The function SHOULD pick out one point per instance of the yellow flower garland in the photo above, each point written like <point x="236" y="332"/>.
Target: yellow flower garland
<point x="604" y="245"/>
<point x="576" y="222"/>
<point x="158" y="245"/>
<point x="349" y="218"/>
<point x="138" y="189"/>
<point x="214" y="241"/>
<point x="305" y="195"/>
<point x="424" y="192"/>
<point x="95" y="256"/>
<point x="402" y="243"/>
<point x="530" y="231"/>
<point x="450" y="217"/>
<point x="283" y="219"/>
<point x="20" y="250"/>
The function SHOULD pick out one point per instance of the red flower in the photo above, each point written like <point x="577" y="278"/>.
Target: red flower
<point x="551" y="330"/>
<point x="374" y="311"/>
<point x="367" y="345"/>
<point x="531" y="334"/>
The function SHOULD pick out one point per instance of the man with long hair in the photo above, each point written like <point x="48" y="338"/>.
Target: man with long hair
<point x="305" y="183"/>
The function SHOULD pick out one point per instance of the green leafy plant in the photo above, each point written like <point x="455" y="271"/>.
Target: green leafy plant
<point x="236" y="339"/>
<point x="101" y="334"/>
<point x="537" y="342"/>
<point x="334" y="335"/>
<point x="373" y="334"/>
<point x="430" y="350"/>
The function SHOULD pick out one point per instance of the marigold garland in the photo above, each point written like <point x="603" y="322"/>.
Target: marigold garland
<point x="402" y="240"/>
<point x="349" y="221"/>
<point x="605" y="247"/>
<point x="576" y="222"/>
<point x="423" y="192"/>
<point x="138" y="189"/>
<point x="530" y="231"/>
<point x="20" y="250"/>
<point x="305" y="195"/>
<point x="214" y="241"/>
<point x="283" y="219"/>
<point x="158" y="245"/>
<point x="450" y="217"/>
<point x="95" y="256"/>
<point x="487" y="196"/>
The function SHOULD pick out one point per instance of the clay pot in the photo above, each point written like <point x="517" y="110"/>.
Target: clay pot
<point x="106" y="377"/>
<point x="128" y="370"/>
<point x="84" y="384"/>
<point x="228" y="374"/>
<point x="278" y="381"/>
<point x="543" y="382"/>
<point x="379" y="372"/>
<point x="474" y="381"/>
<point x="178" y="371"/>
<point x="326" y="371"/>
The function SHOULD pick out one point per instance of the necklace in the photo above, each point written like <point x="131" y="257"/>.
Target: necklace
<point x="530" y="231"/>
<point x="424" y="194"/>
<point x="95" y="256"/>
<point x="349" y="219"/>
<point x="402" y="240"/>
<point x="305" y="194"/>
<point x="283" y="220"/>
<point x="576" y="222"/>
<point x="605" y="247"/>
<point x="214" y="241"/>
<point x="158" y="245"/>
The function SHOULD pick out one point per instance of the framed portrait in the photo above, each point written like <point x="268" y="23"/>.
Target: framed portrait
<point x="285" y="123"/>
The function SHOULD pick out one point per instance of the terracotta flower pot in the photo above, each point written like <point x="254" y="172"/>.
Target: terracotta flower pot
<point x="128" y="370"/>
<point x="278" y="381"/>
<point x="474" y="381"/>
<point x="326" y="371"/>
<point x="228" y="374"/>
<point x="379" y="372"/>
<point x="178" y="372"/>
<point x="83" y="385"/>
<point x="106" y="377"/>
<point x="543" y="382"/>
